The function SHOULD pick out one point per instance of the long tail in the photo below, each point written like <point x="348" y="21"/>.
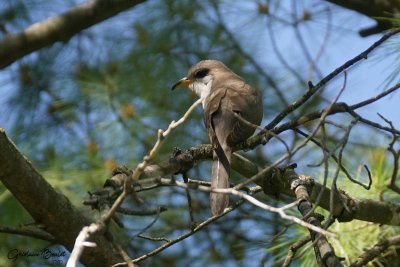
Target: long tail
<point x="220" y="179"/>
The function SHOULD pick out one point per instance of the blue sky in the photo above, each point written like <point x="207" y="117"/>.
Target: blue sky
<point x="366" y="79"/>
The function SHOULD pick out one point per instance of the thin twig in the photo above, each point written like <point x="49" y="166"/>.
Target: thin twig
<point x="300" y="39"/>
<point x="323" y="144"/>
<point x="148" y="158"/>
<point x="80" y="243"/>
<point x="154" y="238"/>
<point x="125" y="256"/>
<point x="281" y="58"/>
<point x="323" y="44"/>
<point x="329" y="152"/>
<point x="324" y="251"/>
<point x="298" y="147"/>
<point x="376" y="98"/>
<point x="183" y="236"/>
<point x="141" y="212"/>
<point x="336" y="175"/>
<point x="261" y="129"/>
<point x="150" y="224"/>
<point x="252" y="200"/>
<point x="313" y="89"/>
<point x="370" y="123"/>
<point x="293" y="249"/>
<point x="396" y="157"/>
<point x="190" y="208"/>
<point x="85" y="233"/>
<point x="261" y="70"/>
<point x="34" y="232"/>
<point x="375" y="251"/>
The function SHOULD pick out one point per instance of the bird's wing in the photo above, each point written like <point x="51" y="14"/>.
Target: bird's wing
<point x="219" y="122"/>
<point x="225" y="130"/>
<point x="247" y="103"/>
<point x="218" y="125"/>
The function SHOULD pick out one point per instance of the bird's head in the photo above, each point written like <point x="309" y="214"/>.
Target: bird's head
<point x="200" y="77"/>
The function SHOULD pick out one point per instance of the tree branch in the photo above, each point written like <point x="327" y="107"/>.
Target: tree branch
<point x="59" y="28"/>
<point x="183" y="236"/>
<point x="34" y="232"/>
<point x="293" y="249"/>
<point x="62" y="220"/>
<point x="251" y="199"/>
<point x="315" y="88"/>
<point x="127" y="180"/>
<point x="386" y="213"/>
<point x="376" y="251"/>
<point x="322" y="247"/>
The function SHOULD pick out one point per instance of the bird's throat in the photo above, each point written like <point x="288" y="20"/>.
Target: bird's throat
<point x="201" y="89"/>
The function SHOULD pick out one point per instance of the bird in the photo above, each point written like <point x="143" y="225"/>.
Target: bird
<point x="232" y="111"/>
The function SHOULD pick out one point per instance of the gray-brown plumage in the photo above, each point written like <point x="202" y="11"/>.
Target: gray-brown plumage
<point x="224" y="93"/>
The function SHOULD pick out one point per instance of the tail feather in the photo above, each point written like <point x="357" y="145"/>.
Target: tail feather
<point x="220" y="179"/>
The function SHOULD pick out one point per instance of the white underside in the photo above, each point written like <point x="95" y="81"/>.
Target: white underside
<point x="202" y="87"/>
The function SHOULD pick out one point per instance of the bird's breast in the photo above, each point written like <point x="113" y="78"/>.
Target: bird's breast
<point x="201" y="89"/>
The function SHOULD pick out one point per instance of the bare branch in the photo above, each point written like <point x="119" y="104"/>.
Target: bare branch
<point x="154" y="238"/>
<point x="302" y="43"/>
<point x="376" y="98"/>
<point x="59" y="28"/>
<point x="273" y="85"/>
<point x="387" y="213"/>
<point x="376" y="251"/>
<point x="298" y="147"/>
<point x="281" y="58"/>
<point x="38" y="197"/>
<point x="263" y="137"/>
<point x="147" y="159"/>
<point x="81" y="242"/>
<point x="396" y="157"/>
<point x="141" y="212"/>
<point x="330" y="153"/>
<point x="321" y="245"/>
<point x="183" y="236"/>
<point x="314" y="88"/>
<point x="34" y="232"/>
<point x="252" y="200"/>
<point x="293" y="249"/>
<point x="129" y="179"/>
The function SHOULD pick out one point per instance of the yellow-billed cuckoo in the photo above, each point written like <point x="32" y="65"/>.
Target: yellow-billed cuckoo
<point x="224" y="93"/>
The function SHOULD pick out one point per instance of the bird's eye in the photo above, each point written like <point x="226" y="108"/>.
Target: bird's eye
<point x="201" y="73"/>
